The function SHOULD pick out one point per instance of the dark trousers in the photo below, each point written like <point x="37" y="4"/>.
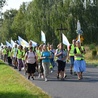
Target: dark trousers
<point x="20" y="64"/>
<point x="9" y="60"/>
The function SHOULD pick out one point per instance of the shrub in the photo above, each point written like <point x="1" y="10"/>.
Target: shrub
<point x="92" y="46"/>
<point x="94" y="53"/>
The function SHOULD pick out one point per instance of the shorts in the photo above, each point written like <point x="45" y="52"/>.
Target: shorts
<point x="61" y="65"/>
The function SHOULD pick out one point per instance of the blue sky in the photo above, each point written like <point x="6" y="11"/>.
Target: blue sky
<point x="13" y="4"/>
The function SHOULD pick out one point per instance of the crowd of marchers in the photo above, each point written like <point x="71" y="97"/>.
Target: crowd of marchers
<point x="44" y="58"/>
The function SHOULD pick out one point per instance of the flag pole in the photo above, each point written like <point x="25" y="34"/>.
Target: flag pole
<point x="61" y="29"/>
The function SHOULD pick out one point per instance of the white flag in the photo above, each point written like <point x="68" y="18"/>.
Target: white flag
<point x="2" y="45"/>
<point x="8" y="44"/>
<point x="12" y="43"/>
<point x="65" y="40"/>
<point x="34" y="44"/>
<point x="43" y="38"/>
<point x="23" y="42"/>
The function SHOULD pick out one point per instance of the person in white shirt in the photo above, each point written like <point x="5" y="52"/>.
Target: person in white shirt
<point x="31" y="59"/>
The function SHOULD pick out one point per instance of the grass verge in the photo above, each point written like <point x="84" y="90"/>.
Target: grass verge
<point x="14" y="85"/>
<point x="89" y="59"/>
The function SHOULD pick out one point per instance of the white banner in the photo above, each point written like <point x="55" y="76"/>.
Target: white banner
<point x="34" y="44"/>
<point x="43" y="38"/>
<point x="23" y="42"/>
<point x="65" y="40"/>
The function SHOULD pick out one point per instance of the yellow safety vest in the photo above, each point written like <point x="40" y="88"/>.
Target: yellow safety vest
<point x="82" y="49"/>
<point x="19" y="54"/>
<point x="79" y="57"/>
<point x="4" y="51"/>
<point x="38" y="52"/>
<point x="71" y="53"/>
<point x="9" y="53"/>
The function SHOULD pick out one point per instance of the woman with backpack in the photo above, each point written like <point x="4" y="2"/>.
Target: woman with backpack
<point x="31" y="59"/>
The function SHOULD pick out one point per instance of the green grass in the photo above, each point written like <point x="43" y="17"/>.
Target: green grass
<point x="14" y="85"/>
<point x="88" y="57"/>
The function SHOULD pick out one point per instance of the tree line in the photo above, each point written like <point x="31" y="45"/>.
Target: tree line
<point x="48" y="15"/>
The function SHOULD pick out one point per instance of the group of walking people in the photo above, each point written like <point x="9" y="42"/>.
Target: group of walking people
<point x="43" y="59"/>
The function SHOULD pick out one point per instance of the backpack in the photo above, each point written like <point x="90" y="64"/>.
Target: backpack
<point x="33" y="52"/>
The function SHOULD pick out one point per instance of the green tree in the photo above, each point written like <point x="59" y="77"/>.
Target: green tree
<point x="5" y="30"/>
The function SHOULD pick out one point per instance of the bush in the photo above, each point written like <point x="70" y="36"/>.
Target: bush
<point x="92" y="46"/>
<point x="94" y="53"/>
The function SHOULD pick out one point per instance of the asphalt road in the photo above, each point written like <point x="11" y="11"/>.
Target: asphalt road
<point x="71" y="87"/>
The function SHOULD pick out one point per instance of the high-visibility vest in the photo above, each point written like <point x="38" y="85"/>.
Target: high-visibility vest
<point x="19" y="54"/>
<point x="38" y="52"/>
<point x="71" y="53"/>
<point x="82" y="50"/>
<point x="9" y="53"/>
<point x="79" y="52"/>
<point x="4" y="51"/>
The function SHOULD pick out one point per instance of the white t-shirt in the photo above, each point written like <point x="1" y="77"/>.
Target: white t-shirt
<point x="30" y="57"/>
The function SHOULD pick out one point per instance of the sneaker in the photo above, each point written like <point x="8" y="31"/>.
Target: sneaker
<point x="28" y="77"/>
<point x="15" y="67"/>
<point x="71" y="72"/>
<point x="19" y="69"/>
<point x="46" y="80"/>
<point x="22" y="68"/>
<point x="51" y="71"/>
<point x="32" y="77"/>
<point x="57" y="76"/>
<point x="75" y="73"/>
<point x="65" y="76"/>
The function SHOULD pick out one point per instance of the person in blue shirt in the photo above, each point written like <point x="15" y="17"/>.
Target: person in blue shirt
<point x="45" y="61"/>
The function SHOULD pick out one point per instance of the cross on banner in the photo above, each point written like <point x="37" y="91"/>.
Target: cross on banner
<point x="61" y="29"/>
